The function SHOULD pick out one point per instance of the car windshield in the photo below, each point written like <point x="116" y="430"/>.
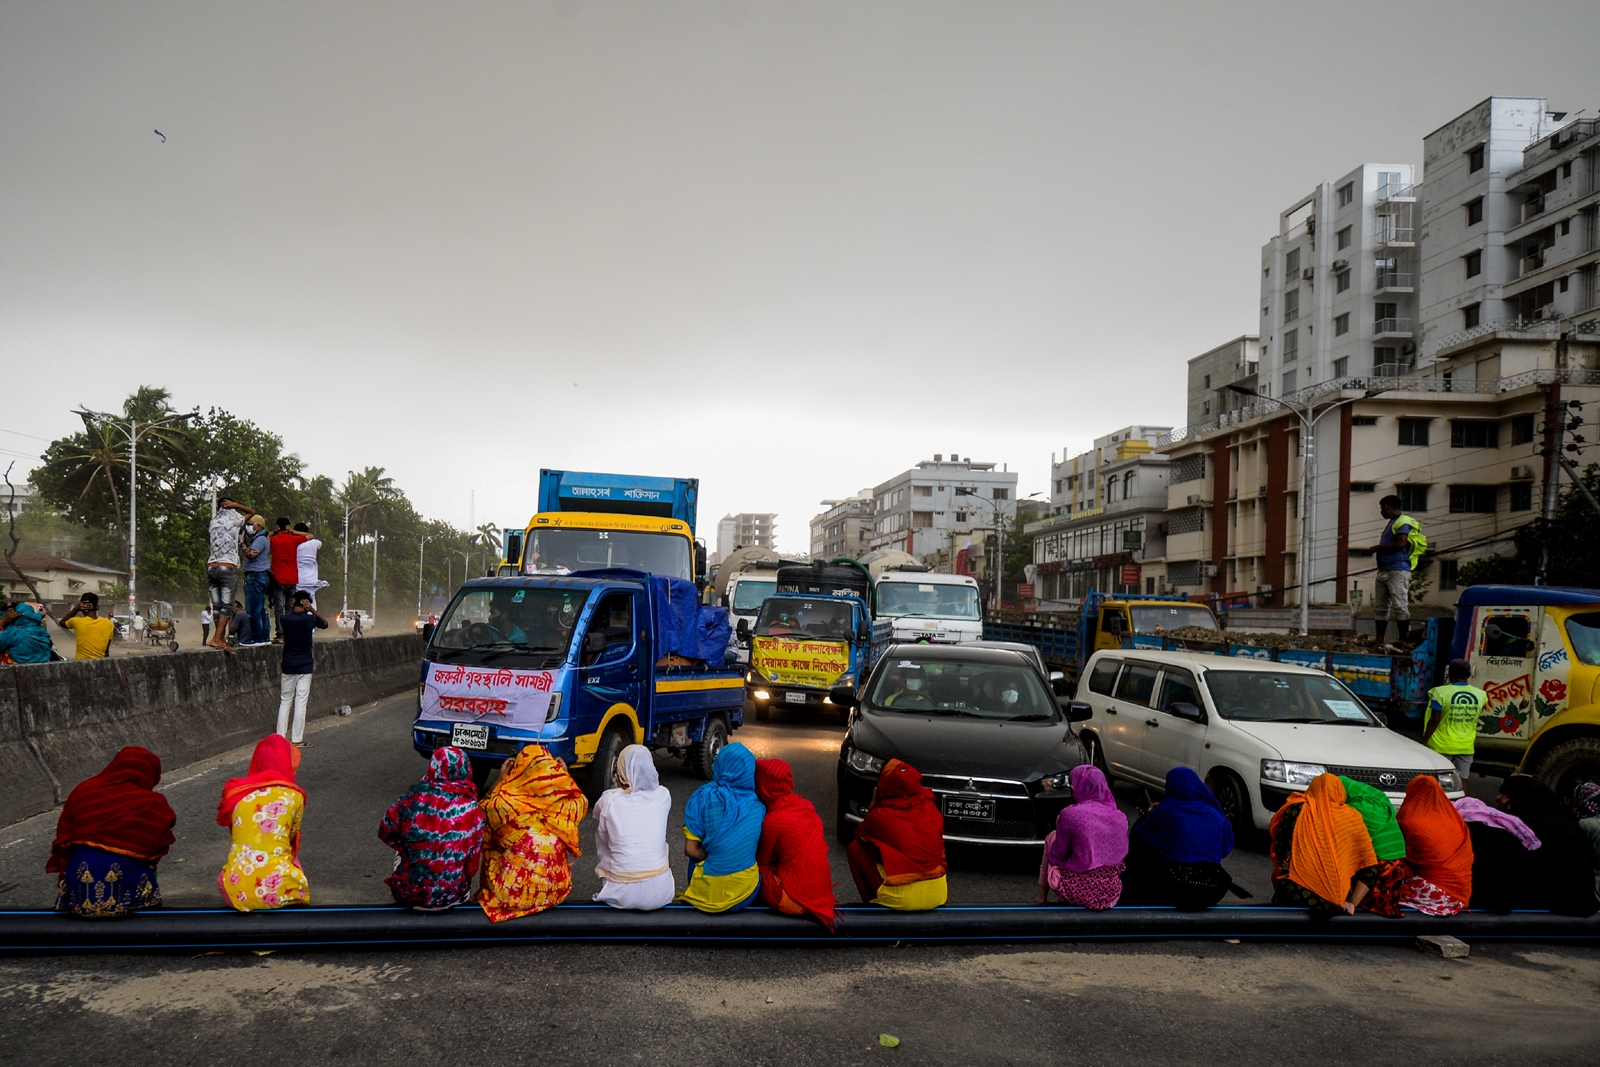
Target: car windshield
<point x="504" y="625"/>
<point x="748" y="593"/>
<point x="980" y="689"/>
<point x="929" y="599"/>
<point x="803" y="617"/>
<point x="1278" y="696"/>
<point x="564" y="550"/>
<point x="1153" y="618"/>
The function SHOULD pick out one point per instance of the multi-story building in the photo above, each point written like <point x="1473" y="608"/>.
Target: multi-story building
<point x="745" y="530"/>
<point x="1110" y="503"/>
<point x="844" y="529"/>
<point x="1338" y="282"/>
<point x="923" y="510"/>
<point x="1211" y="373"/>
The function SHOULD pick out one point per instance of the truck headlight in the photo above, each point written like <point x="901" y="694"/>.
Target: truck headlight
<point x="864" y="762"/>
<point x="1273" y="770"/>
<point x="555" y="708"/>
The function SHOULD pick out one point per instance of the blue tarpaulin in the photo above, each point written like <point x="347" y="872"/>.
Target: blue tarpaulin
<point x="684" y="626"/>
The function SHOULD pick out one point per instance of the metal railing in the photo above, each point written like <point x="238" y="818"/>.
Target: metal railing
<point x="1394" y="280"/>
<point x="1394" y="235"/>
<point x="1399" y="192"/>
<point x="1529" y="264"/>
<point x="1533" y="207"/>
<point x="1538" y="329"/>
<point x="1392" y="328"/>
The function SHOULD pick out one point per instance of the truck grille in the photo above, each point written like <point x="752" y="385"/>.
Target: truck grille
<point x="1390" y="781"/>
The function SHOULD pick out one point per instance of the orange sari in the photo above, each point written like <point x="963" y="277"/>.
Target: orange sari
<point x="1331" y="842"/>
<point x="532" y="817"/>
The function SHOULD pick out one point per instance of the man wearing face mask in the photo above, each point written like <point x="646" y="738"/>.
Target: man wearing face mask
<point x="908" y="687"/>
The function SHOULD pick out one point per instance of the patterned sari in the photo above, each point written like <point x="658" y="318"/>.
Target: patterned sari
<point x="533" y="814"/>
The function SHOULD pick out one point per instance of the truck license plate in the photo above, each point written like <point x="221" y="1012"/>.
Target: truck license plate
<point x="972" y="809"/>
<point x="470" y="735"/>
<point x="795" y="698"/>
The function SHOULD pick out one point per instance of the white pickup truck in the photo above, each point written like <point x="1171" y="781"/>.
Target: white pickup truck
<point x="941" y="609"/>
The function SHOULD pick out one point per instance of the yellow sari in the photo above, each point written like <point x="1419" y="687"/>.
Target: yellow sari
<point x="532" y="814"/>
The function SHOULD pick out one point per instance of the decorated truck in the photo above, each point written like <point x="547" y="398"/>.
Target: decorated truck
<point x="813" y="634"/>
<point x="584" y="664"/>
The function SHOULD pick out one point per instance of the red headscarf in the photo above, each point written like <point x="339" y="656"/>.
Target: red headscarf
<point x="1438" y="846"/>
<point x="793" y="850"/>
<point x="274" y="763"/>
<point x="905" y="826"/>
<point x="117" y="810"/>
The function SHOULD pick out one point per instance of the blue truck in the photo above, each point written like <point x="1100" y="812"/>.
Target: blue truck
<point x="814" y="633"/>
<point x="584" y="664"/>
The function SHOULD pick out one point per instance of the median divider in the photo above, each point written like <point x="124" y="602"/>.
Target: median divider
<point x="340" y="927"/>
<point x="61" y="722"/>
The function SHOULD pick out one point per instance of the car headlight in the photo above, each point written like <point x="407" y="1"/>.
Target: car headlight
<point x="1057" y="783"/>
<point x="1449" y="780"/>
<point x="864" y="762"/>
<point x="1274" y="770"/>
<point x="555" y="708"/>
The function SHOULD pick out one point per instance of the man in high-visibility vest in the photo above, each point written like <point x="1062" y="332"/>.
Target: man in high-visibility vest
<point x="1391" y="590"/>
<point x="1451" y="725"/>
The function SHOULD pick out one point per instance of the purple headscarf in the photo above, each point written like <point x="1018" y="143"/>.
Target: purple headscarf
<point x="1474" y="810"/>
<point x="1090" y="832"/>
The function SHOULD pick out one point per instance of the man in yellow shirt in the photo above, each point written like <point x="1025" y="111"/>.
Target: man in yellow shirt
<point x="89" y="630"/>
<point x="1451" y="725"/>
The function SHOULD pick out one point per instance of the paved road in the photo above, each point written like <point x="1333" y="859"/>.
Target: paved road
<point x="1138" y="1004"/>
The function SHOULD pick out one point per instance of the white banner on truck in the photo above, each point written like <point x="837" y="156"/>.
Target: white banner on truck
<point x="504" y="696"/>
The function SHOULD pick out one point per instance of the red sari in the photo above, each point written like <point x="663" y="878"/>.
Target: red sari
<point x="903" y="833"/>
<point x="117" y="810"/>
<point x="792" y="854"/>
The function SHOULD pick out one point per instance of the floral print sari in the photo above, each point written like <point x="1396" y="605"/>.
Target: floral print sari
<point x="263" y="868"/>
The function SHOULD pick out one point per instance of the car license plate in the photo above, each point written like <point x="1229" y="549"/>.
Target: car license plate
<point x="470" y="735"/>
<point x="795" y="698"/>
<point x="971" y="809"/>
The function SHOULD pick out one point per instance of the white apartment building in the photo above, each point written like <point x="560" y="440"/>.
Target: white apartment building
<point x="922" y="511"/>
<point x="1339" y="282"/>
<point x="745" y="530"/>
<point x="1211" y="373"/>
<point x="844" y="529"/>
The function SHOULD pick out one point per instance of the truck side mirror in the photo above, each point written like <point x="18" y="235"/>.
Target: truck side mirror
<point x="743" y="629"/>
<point x="699" y="559"/>
<point x="1058" y="681"/>
<point x="593" y="645"/>
<point x="1114" y="623"/>
<point x="427" y="632"/>
<point x="1078" y="711"/>
<point x="864" y="632"/>
<point x="843" y="695"/>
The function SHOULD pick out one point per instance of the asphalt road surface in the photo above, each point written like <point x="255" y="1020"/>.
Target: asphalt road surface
<point x="1161" y="1003"/>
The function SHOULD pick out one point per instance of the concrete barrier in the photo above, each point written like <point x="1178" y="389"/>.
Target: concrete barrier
<point x="61" y="722"/>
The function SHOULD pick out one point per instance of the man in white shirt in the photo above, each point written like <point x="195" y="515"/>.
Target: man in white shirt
<point x="205" y="624"/>
<point x="222" y="565"/>
<point x="306" y="560"/>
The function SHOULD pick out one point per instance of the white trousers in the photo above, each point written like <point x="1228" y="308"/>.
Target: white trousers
<point x="296" y="690"/>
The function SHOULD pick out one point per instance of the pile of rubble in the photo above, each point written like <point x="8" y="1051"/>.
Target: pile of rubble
<point x="1202" y="637"/>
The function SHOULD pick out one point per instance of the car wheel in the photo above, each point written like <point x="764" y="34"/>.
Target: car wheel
<point x="844" y="831"/>
<point x="1234" y="801"/>
<point x="703" y="753"/>
<point x="1569" y="764"/>
<point x="603" y="771"/>
<point x="1097" y="756"/>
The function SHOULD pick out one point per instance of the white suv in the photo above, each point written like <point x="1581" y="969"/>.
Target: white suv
<point x="1255" y="731"/>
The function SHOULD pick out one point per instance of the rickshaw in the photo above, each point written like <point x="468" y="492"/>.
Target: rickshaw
<point x="159" y="626"/>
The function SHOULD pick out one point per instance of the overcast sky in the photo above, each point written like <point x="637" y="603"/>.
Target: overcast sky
<point x="786" y="248"/>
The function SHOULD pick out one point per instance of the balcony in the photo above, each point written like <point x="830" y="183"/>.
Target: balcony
<point x="1529" y="264"/>
<point x="1385" y="328"/>
<point x="1393" y="370"/>
<point x="1394" y="236"/>
<point x="1533" y="207"/>
<point x="1397" y="192"/>
<point x="1395" y="282"/>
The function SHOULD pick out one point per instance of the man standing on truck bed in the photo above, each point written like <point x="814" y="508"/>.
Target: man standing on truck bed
<point x="1396" y="551"/>
<point x="1451" y="726"/>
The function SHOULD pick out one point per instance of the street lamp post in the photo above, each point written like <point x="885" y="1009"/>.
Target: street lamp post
<point x="420" y="550"/>
<point x="466" y="563"/>
<point x="1309" y="418"/>
<point x="999" y="539"/>
<point x="350" y="509"/>
<point x="374" y="577"/>
<point x="134" y="431"/>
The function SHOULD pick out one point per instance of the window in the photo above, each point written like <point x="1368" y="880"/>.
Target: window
<point x="1291" y="305"/>
<point x="1103" y="679"/>
<point x="1566" y="227"/>
<point x="1475" y="160"/>
<point x="1291" y="264"/>
<point x="1341" y="326"/>
<point x="1289" y="381"/>
<point x="1208" y="381"/>
<point x="1521" y="429"/>
<point x="1412" y="497"/>
<point x="1291" y="346"/>
<point x="1506" y="635"/>
<point x="1347" y="193"/>
<point x="1414" y="431"/>
<point x="1471" y="315"/>
<point x="1363" y="487"/>
<point x="961" y="516"/>
<point x="1474" y="211"/>
<point x="1344" y="237"/>
<point x="1000" y="494"/>
<point x="1474" y="261"/>
<point x="922" y="490"/>
<point x="1137" y="685"/>
<point x="1384" y="356"/>
<point x="1341" y="281"/>
<point x="1364" y="420"/>
<point x="1474" y="433"/>
<point x="921" y="520"/>
<point x="1447" y="574"/>
<point x="1341" y="367"/>
<point x="1566" y="170"/>
<point x="1385" y="310"/>
<point x="1472" y="499"/>
<point x="1178" y="687"/>
<point x="1521" y="496"/>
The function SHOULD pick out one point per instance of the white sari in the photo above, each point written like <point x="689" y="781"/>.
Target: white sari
<point x="631" y="836"/>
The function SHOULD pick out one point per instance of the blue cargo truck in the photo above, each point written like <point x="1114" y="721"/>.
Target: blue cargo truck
<point x="584" y="664"/>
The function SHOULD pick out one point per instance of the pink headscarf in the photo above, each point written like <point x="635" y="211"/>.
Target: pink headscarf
<point x="1090" y="832"/>
<point x="1474" y="810"/>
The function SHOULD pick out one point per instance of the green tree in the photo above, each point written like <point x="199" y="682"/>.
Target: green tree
<point x="1572" y="540"/>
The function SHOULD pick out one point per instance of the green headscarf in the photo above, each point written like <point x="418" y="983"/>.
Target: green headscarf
<point x="1377" y="811"/>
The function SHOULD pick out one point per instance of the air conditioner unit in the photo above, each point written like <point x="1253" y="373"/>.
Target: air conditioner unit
<point x="1194" y="499"/>
<point x="1341" y="264"/>
<point x="1209" y="570"/>
<point x="1521" y="473"/>
<point x="1261" y="490"/>
<point x="1309" y="273"/>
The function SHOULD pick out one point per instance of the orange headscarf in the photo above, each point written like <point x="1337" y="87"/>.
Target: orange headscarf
<point x="1438" y="846"/>
<point x="1330" y="841"/>
<point x="536" y="793"/>
<point x="274" y="763"/>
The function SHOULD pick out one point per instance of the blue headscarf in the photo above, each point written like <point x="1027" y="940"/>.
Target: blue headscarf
<point x="725" y="813"/>
<point x="1188" y="825"/>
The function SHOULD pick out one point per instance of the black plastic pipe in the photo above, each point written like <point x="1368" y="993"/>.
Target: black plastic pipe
<point x="329" y="927"/>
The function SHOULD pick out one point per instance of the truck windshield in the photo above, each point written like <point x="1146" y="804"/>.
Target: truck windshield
<point x="564" y="550"/>
<point x="928" y="599"/>
<point x="511" y="627"/>
<point x="1273" y="696"/>
<point x="748" y="593"/>
<point x="799" y="617"/>
<point x="1153" y="618"/>
<point x="978" y="690"/>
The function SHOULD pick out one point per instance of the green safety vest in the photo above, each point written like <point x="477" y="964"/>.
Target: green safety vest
<point x="1462" y="706"/>
<point x="1416" y="543"/>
